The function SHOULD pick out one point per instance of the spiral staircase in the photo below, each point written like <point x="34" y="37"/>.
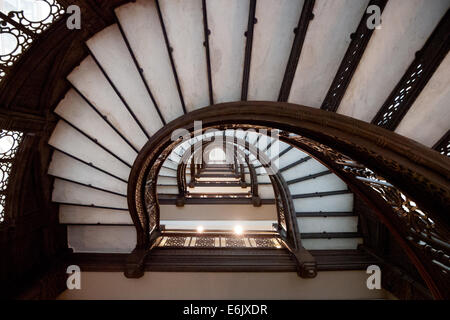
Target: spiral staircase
<point x="163" y="59"/>
<point x="92" y="167"/>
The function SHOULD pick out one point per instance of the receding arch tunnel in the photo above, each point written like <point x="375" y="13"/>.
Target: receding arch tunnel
<point x="337" y="159"/>
<point x="313" y="130"/>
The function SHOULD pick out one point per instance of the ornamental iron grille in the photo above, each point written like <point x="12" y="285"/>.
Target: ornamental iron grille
<point x="9" y="144"/>
<point x="422" y="231"/>
<point x="21" y="21"/>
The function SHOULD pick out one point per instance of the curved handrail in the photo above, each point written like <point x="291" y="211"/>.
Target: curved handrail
<point x="420" y="173"/>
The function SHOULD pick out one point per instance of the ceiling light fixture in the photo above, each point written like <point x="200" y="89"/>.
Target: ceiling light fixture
<point x="238" y="230"/>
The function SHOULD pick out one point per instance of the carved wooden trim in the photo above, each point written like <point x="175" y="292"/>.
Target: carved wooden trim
<point x="212" y="260"/>
<point x="420" y="173"/>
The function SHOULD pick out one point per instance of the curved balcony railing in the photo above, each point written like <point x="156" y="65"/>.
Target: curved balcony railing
<point x="415" y="210"/>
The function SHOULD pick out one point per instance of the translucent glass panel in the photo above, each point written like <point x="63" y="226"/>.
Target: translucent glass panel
<point x="9" y="144"/>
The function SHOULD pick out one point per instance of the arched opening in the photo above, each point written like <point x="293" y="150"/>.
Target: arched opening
<point x="89" y="102"/>
<point x="217" y="156"/>
<point x="361" y="179"/>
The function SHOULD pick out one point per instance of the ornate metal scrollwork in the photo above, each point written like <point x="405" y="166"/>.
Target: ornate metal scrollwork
<point x="18" y="30"/>
<point x="422" y="231"/>
<point x="281" y="214"/>
<point x="9" y="144"/>
<point x="150" y="195"/>
<point x="151" y="199"/>
<point x="2" y="207"/>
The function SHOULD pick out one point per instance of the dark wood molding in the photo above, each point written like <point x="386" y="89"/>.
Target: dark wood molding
<point x="30" y="236"/>
<point x="46" y="282"/>
<point x="24" y="122"/>
<point x="37" y="80"/>
<point x="17" y="25"/>
<point x="173" y="201"/>
<point x="420" y="71"/>
<point x="300" y="33"/>
<point x="218" y="260"/>
<point x="355" y="51"/>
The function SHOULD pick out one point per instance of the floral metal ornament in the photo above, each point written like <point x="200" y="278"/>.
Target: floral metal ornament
<point x="19" y="27"/>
